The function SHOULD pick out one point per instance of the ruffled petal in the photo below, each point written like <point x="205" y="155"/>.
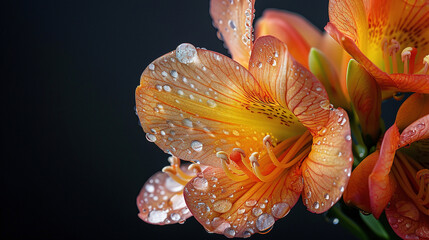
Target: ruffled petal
<point x="366" y="99"/>
<point x="327" y="169"/>
<point x="350" y="46"/>
<point x="405" y="218"/>
<point x="289" y="83"/>
<point x="161" y="201"/>
<point x="292" y="29"/>
<point x="234" y="19"/>
<point x="240" y="209"/>
<point x="357" y="191"/>
<point x="415" y="107"/>
<point x="416" y="131"/>
<point x="381" y="181"/>
<point x="194" y="103"/>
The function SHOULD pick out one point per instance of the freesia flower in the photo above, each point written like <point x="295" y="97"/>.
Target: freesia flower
<point x="395" y="178"/>
<point x="389" y="38"/>
<point x="263" y="126"/>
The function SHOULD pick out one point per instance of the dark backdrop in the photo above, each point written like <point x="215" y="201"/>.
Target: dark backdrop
<point x="74" y="157"/>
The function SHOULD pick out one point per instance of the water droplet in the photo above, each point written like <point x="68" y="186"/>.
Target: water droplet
<point x="211" y="103"/>
<point x="187" y="122"/>
<point x="280" y="210"/>
<point x="325" y="105"/>
<point x="251" y="203"/>
<point x="264" y="222"/>
<point x="229" y="232"/>
<point x="318" y="89"/>
<point x="175" y="217"/>
<point x="200" y="183"/>
<point x="222" y="206"/>
<point x="326" y="196"/>
<point x="186" y="53"/>
<point x="197" y="146"/>
<point x="151" y="67"/>
<point x="256" y="211"/>
<point x="150" y="137"/>
<point x="342" y="189"/>
<point x="157" y="216"/>
<point x="335" y="221"/>
<point x="158" y="87"/>
<point x="232" y="25"/>
<point x="348" y="138"/>
<point x="174" y="73"/>
<point x="167" y="88"/>
<point x="316" y="205"/>
<point x="149" y="188"/>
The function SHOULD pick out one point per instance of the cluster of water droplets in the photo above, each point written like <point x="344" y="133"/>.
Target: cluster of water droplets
<point x="207" y="197"/>
<point x="161" y="201"/>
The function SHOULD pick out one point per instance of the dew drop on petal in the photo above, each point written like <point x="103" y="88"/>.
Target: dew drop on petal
<point x="150" y="137"/>
<point x="149" y="188"/>
<point x="280" y="210"/>
<point x="251" y="203"/>
<point x="175" y="217"/>
<point x="264" y="222"/>
<point x="187" y="122"/>
<point x="229" y="232"/>
<point x="186" y="53"/>
<point x="316" y="205"/>
<point x="197" y="146"/>
<point x="232" y="25"/>
<point x="256" y="211"/>
<point x="200" y="183"/>
<point x="151" y="67"/>
<point x="157" y="216"/>
<point x="222" y="206"/>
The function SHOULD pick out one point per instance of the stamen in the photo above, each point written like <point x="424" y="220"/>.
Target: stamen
<point x="385" y="44"/>
<point x="425" y="68"/>
<point x="408" y="57"/>
<point x="173" y="174"/>
<point x="230" y="171"/>
<point x="176" y="173"/>
<point x="413" y="179"/>
<point x="393" y="49"/>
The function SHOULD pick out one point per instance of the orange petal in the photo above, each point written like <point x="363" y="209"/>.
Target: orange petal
<point x="161" y="201"/>
<point x="328" y="167"/>
<point x="381" y="182"/>
<point x="415" y="107"/>
<point x="349" y="18"/>
<point x="416" y="131"/>
<point x="289" y="83"/>
<point x="194" y="103"/>
<point x="349" y="45"/>
<point x="405" y="218"/>
<point x="292" y="29"/>
<point x="366" y="99"/>
<point x="234" y="21"/>
<point x="240" y="209"/>
<point x="357" y="191"/>
<point x="408" y="83"/>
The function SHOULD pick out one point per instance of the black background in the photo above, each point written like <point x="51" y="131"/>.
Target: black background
<point x="74" y="157"/>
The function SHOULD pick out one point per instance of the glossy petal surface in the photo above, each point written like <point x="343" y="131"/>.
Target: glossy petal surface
<point x="240" y="209"/>
<point x="292" y="29"/>
<point x="405" y="219"/>
<point x="357" y="191"/>
<point x="289" y="83"/>
<point x="206" y="104"/>
<point x="381" y="182"/>
<point x="234" y="21"/>
<point x="419" y="103"/>
<point x="327" y="169"/>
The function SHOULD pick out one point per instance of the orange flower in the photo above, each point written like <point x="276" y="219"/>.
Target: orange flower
<point x="395" y="178"/>
<point x="388" y="37"/>
<point x="316" y="51"/>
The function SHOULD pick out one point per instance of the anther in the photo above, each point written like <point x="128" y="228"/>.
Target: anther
<point x="426" y="65"/>
<point x="195" y="167"/>
<point x="254" y="157"/>
<point x="267" y="139"/>
<point x="223" y="156"/>
<point x="240" y="151"/>
<point x="393" y="49"/>
<point x="408" y="56"/>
